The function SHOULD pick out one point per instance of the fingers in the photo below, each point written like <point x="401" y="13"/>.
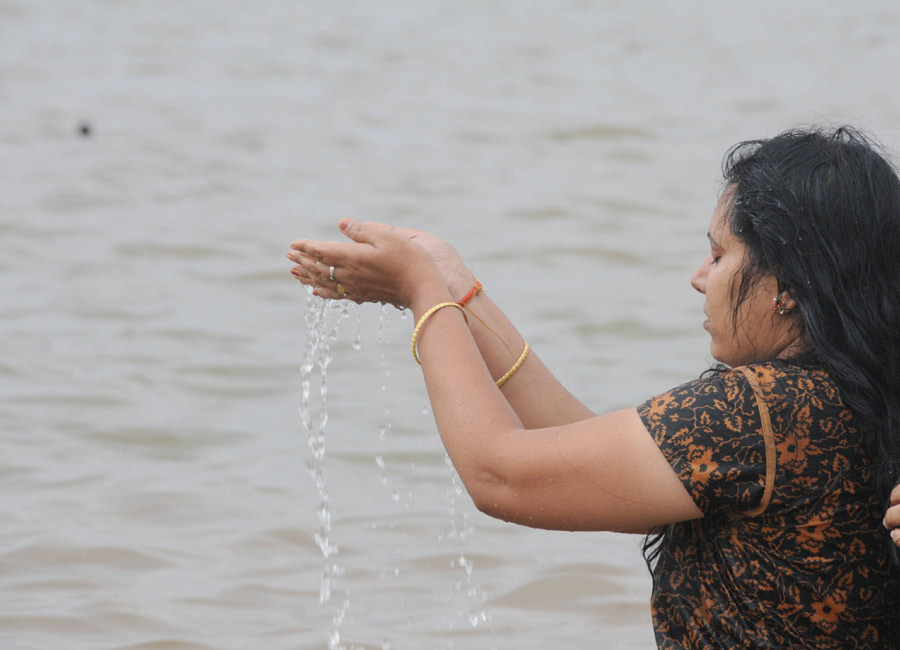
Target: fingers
<point x="323" y="251"/>
<point x="333" y="252"/>
<point x="895" y="534"/>
<point x="302" y="270"/>
<point x="324" y="264"/>
<point x="407" y="232"/>
<point x="316" y="265"/>
<point x="376" y="265"/>
<point x="367" y="232"/>
<point x="892" y="517"/>
<point x="336" y="292"/>
<point x="362" y="233"/>
<point x="309" y="273"/>
<point x="312" y="271"/>
<point x="322" y="276"/>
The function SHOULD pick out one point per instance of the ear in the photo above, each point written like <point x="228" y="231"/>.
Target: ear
<point x="788" y="297"/>
<point x="784" y="302"/>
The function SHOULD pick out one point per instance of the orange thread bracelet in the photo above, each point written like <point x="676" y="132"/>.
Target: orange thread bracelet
<point x="474" y="291"/>
<point x="425" y="317"/>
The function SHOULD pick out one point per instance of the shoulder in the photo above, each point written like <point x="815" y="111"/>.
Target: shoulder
<point x="804" y="402"/>
<point x="782" y="378"/>
<point x="817" y="436"/>
<point x="718" y="393"/>
<point x="710" y="432"/>
<point x="726" y="388"/>
<point x="717" y="431"/>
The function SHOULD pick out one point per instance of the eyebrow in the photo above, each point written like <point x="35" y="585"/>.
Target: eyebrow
<point x="712" y="239"/>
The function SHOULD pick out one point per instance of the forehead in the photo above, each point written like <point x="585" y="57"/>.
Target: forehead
<point x="718" y="221"/>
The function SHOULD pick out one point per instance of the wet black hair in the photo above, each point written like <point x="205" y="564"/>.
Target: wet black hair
<point x="820" y="210"/>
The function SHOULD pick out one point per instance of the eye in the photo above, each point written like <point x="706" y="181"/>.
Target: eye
<point x="714" y="258"/>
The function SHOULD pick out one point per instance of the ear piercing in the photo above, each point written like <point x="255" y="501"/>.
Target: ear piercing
<point x="779" y="306"/>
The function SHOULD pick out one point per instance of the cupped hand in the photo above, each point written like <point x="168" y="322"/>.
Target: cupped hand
<point x="892" y="518"/>
<point x="458" y="278"/>
<point x="377" y="265"/>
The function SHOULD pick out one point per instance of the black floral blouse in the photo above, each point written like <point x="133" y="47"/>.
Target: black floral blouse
<point x="790" y="552"/>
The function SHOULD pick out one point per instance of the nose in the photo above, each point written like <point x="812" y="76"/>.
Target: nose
<point x="698" y="279"/>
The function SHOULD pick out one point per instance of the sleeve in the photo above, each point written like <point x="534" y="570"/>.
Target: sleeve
<point x="711" y="433"/>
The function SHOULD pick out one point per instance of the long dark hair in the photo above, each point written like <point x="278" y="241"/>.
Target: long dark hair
<point x="821" y="211"/>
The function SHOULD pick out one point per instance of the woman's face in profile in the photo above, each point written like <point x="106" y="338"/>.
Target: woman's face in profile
<point x="759" y="333"/>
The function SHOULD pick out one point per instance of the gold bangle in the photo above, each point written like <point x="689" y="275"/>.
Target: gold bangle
<point x="516" y="366"/>
<point x="425" y="317"/>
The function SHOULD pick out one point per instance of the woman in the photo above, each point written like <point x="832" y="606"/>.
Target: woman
<point x="764" y="482"/>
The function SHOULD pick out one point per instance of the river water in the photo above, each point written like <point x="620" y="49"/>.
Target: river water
<point x="160" y="489"/>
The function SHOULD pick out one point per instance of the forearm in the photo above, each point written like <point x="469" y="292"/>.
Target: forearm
<point x="534" y="393"/>
<point x="473" y="417"/>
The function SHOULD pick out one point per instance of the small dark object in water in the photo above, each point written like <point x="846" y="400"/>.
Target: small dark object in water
<point x="85" y="129"/>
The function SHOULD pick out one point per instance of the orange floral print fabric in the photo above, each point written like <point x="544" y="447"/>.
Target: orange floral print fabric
<point x="809" y="571"/>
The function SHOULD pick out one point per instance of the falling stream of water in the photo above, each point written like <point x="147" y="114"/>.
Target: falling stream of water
<point x="385" y="372"/>
<point x="322" y="323"/>
<point x="323" y="319"/>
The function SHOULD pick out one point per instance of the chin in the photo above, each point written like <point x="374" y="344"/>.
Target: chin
<point x="728" y="358"/>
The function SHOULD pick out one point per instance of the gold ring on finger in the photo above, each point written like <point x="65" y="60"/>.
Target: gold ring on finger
<point x="341" y="290"/>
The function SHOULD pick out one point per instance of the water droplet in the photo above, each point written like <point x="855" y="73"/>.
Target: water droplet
<point x="357" y="342"/>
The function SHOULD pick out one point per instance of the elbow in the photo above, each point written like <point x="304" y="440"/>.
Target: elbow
<point x="500" y="498"/>
<point x="498" y="486"/>
<point x="520" y="498"/>
<point x="487" y="502"/>
<point x="501" y="502"/>
<point x="490" y="492"/>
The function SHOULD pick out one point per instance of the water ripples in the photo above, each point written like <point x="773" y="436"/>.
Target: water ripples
<point x="157" y="494"/>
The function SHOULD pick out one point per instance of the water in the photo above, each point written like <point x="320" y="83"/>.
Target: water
<point x="323" y="321"/>
<point x="320" y="334"/>
<point x="151" y="454"/>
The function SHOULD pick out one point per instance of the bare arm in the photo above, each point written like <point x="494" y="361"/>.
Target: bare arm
<point x="533" y="392"/>
<point x="593" y="473"/>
